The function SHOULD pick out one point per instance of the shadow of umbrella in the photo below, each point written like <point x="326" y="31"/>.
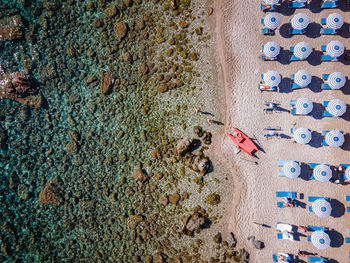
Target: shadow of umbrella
<point x="338" y="208"/>
<point x="337" y="239"/>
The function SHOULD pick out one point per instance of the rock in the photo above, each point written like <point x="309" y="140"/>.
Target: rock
<point x="183" y="146"/>
<point x="183" y="24"/>
<point x="121" y="29"/>
<point x="72" y="147"/>
<point x="217" y="238"/>
<point x="140" y="24"/>
<point x="143" y="68"/>
<point x="106" y="82"/>
<point x="156" y="154"/>
<point x="140" y="176"/>
<point x="11" y="33"/>
<point x="111" y="11"/>
<point x="97" y="23"/>
<point x="213" y="199"/>
<point x="194" y="222"/>
<point x="256" y="243"/>
<point x="173" y="4"/>
<point x="163" y="88"/>
<point x="158" y="258"/>
<point x="134" y="220"/>
<point x="49" y="195"/>
<point x="127" y="57"/>
<point x="164" y="199"/>
<point x="231" y="240"/>
<point x="243" y="255"/>
<point x="158" y="175"/>
<point x="200" y="164"/>
<point x="199" y="31"/>
<point x="174" y="198"/>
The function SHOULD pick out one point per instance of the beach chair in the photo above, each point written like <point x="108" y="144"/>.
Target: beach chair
<point x="267" y="31"/>
<point x="327" y="57"/>
<point x="308" y="238"/>
<point x="293" y="111"/>
<point x="310" y="208"/>
<point x="332" y="4"/>
<point x="327" y="31"/>
<point x="347" y="240"/>
<point x="316" y="259"/>
<point x="293" y="85"/>
<point x="292" y="195"/>
<point x="292" y="102"/>
<point x="293" y="31"/>
<point x="326" y="113"/>
<point x="325" y="86"/>
<point x="292" y="4"/>
<point x="348" y="209"/>
<point x="286" y="256"/>
<point x="281" y="173"/>
<point x="266" y="88"/>
<point x="316" y="228"/>
<point x="292" y="57"/>
<point x="273" y="8"/>
<point x="279" y="204"/>
<point x="314" y="198"/>
<point x="347" y="198"/>
<point x="280" y="163"/>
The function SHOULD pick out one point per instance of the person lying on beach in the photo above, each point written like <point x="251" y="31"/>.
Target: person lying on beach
<point x="288" y="202"/>
<point x="302" y="228"/>
<point x="266" y="7"/>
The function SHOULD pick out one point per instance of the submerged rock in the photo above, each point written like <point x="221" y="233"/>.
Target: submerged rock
<point x="49" y="195"/>
<point x="140" y="176"/>
<point x="11" y="28"/>
<point x="121" y="29"/>
<point x="183" y="146"/>
<point x="106" y="82"/>
<point x="213" y="199"/>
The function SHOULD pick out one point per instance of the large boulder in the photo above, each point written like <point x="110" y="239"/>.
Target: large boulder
<point x="140" y="176"/>
<point x="183" y="146"/>
<point x="231" y="240"/>
<point x="106" y="82"/>
<point x="49" y="195"/>
<point x="194" y="222"/>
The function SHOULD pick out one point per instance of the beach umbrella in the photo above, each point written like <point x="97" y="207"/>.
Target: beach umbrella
<point x="320" y="239"/>
<point x="347" y="173"/>
<point x="302" y="78"/>
<point x="271" y="49"/>
<point x="334" y="138"/>
<point x="321" y="207"/>
<point x="300" y="21"/>
<point x="291" y="169"/>
<point x="302" y="135"/>
<point x="272" y="78"/>
<point x="271" y="2"/>
<point x="302" y="50"/>
<point x="322" y="173"/>
<point x="304" y="106"/>
<point x="335" y="21"/>
<point x="336" y="80"/>
<point x="272" y="20"/>
<point x="336" y="107"/>
<point x="335" y="48"/>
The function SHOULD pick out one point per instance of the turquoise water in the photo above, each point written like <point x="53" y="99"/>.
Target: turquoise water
<point x="86" y="144"/>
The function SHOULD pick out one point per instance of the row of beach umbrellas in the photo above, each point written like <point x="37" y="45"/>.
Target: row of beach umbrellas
<point x="334" y="138"/>
<point x="301" y="21"/>
<point x="336" y="80"/>
<point x="303" y="49"/>
<point x="335" y="107"/>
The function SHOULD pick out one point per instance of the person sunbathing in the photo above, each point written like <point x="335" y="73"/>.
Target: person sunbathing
<point x="288" y="202"/>
<point x="263" y="57"/>
<point x="266" y="7"/>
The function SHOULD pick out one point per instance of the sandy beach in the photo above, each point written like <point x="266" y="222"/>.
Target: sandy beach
<point x="239" y="42"/>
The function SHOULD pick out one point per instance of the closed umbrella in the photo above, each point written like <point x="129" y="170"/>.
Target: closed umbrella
<point x="322" y="173"/>
<point x="291" y="169"/>
<point x="347" y="173"/>
<point x="336" y="80"/>
<point x="302" y="50"/>
<point x="302" y="135"/>
<point x="335" y="48"/>
<point x="271" y="49"/>
<point x="336" y="107"/>
<point x="271" y="2"/>
<point x="320" y="239"/>
<point x="302" y="78"/>
<point x="272" y="20"/>
<point x="272" y="78"/>
<point x="334" y="138"/>
<point x="304" y="106"/>
<point x="335" y="21"/>
<point x="321" y="207"/>
<point x="300" y="21"/>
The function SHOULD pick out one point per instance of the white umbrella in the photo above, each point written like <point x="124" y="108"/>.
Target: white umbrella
<point x="335" y="48"/>
<point x="321" y="207"/>
<point x="347" y="173"/>
<point x="304" y="106"/>
<point x="271" y="2"/>
<point x="336" y="80"/>
<point x="302" y="78"/>
<point x="322" y="173"/>
<point x="271" y="49"/>
<point x="334" y="138"/>
<point x="320" y="239"/>
<point x="335" y="21"/>
<point x="336" y="107"/>
<point x="272" y="20"/>
<point x="302" y="135"/>
<point x="300" y="21"/>
<point x="302" y="50"/>
<point x="291" y="169"/>
<point x="272" y="78"/>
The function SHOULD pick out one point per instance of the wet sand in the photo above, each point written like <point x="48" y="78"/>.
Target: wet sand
<point x="239" y="41"/>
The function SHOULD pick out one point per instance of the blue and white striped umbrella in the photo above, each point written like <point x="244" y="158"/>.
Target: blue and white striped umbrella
<point x="302" y="78"/>
<point x="271" y="49"/>
<point x="272" y="78"/>
<point x="302" y="50"/>
<point x="334" y="138"/>
<point x="347" y="173"/>
<point x="336" y="80"/>
<point x="302" y="135"/>
<point x="335" y="21"/>
<point x="320" y="239"/>
<point x="272" y="20"/>
<point x="335" y="48"/>
<point x="291" y="169"/>
<point x="304" y="106"/>
<point x="336" y="107"/>
<point x="321" y="207"/>
<point x="271" y="2"/>
<point x="300" y="21"/>
<point x="322" y="173"/>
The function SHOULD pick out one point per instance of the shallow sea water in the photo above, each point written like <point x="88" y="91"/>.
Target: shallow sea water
<point x="100" y="204"/>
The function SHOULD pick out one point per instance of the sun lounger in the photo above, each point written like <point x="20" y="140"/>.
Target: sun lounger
<point x="281" y="173"/>
<point x="326" y="114"/>
<point x="348" y="209"/>
<point x="323" y="21"/>
<point x="328" y="58"/>
<point x="273" y="7"/>
<point x="310" y="208"/>
<point x="266" y="88"/>
<point x="347" y="198"/>
<point x="287" y="237"/>
<point x="316" y="228"/>
<point x="281" y="162"/>
<point x="314" y="198"/>
<point x="267" y="31"/>
<point x="286" y="256"/>
<point x="292" y="102"/>
<point x="296" y="5"/>
<point x="295" y="86"/>
<point x="347" y="240"/>
<point x="311" y="176"/>
<point x="293" y="111"/>
<point x="325" y="103"/>
<point x="325" y="76"/>
<point x="293" y="31"/>
<point x="328" y="31"/>
<point x="315" y="259"/>
<point x="309" y="238"/>
<point x="294" y="58"/>
<point x="330" y="4"/>
<point x="279" y="204"/>
<point x="292" y="195"/>
<point x="324" y="143"/>
<point x="283" y="227"/>
<point x="325" y="86"/>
